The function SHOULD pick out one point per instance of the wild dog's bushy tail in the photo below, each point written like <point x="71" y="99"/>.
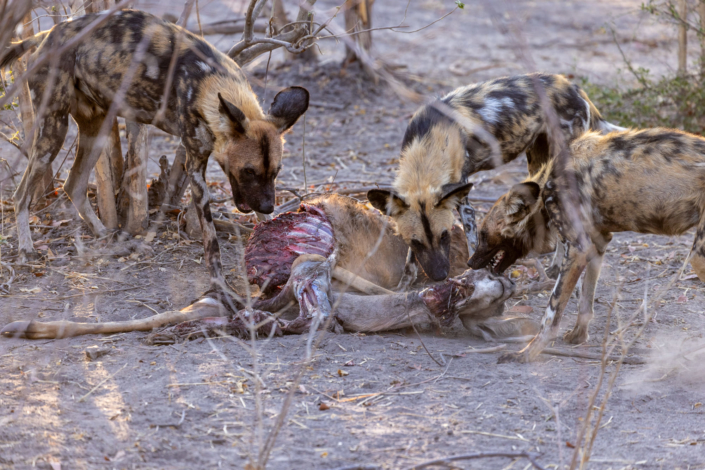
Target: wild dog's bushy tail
<point x="18" y="49"/>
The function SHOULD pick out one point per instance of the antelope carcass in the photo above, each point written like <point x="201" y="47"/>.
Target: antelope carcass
<point x="341" y="262"/>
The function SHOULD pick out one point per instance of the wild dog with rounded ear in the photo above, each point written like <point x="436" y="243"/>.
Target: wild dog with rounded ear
<point x="450" y="139"/>
<point x="431" y="248"/>
<point x="645" y="181"/>
<point x="122" y="67"/>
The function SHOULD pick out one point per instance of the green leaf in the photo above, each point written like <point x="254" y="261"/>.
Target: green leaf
<point x="460" y="4"/>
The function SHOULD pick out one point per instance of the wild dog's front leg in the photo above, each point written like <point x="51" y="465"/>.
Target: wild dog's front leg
<point x="201" y="199"/>
<point x="573" y="265"/>
<point x="579" y="334"/>
<point x="467" y="217"/>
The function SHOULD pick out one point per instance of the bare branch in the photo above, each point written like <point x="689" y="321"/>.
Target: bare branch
<point x="249" y="47"/>
<point x="530" y="456"/>
<point x="188" y="6"/>
<point x="9" y="140"/>
<point x="249" y="21"/>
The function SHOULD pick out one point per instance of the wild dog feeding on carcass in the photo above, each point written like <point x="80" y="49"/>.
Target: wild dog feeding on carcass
<point x="474" y="128"/>
<point x="294" y="258"/>
<point x="121" y="68"/>
<point x="645" y="181"/>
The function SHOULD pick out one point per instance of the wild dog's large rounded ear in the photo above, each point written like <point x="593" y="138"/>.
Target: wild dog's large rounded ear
<point x="386" y="201"/>
<point x="231" y="118"/>
<point x="522" y="199"/>
<point x="288" y="106"/>
<point x="457" y="191"/>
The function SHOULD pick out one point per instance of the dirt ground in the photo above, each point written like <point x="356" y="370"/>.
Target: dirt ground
<point x="192" y="405"/>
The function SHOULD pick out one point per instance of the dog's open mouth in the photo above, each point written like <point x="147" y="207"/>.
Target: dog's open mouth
<point x="496" y="260"/>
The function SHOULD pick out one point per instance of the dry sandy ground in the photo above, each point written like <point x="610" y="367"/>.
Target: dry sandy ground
<point x="193" y="405"/>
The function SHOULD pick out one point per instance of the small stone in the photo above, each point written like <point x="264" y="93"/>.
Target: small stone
<point x="94" y="352"/>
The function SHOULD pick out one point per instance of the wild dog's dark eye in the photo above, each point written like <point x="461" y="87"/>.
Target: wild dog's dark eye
<point x="416" y="245"/>
<point x="249" y="172"/>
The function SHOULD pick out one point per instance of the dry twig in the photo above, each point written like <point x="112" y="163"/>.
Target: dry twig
<point x="530" y="456"/>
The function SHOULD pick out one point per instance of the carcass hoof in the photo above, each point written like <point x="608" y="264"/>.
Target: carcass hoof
<point x="16" y="329"/>
<point x="302" y="325"/>
<point x="297" y="326"/>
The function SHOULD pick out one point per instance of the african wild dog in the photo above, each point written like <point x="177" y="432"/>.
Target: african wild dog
<point x="646" y="181"/>
<point x="122" y="66"/>
<point x="440" y="151"/>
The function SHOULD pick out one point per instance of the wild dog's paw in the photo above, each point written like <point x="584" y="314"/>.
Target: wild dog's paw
<point x="125" y="246"/>
<point x="521" y="357"/>
<point x="577" y="335"/>
<point x="25" y="256"/>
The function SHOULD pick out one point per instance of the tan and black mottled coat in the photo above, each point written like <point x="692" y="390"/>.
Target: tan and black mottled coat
<point x="645" y="181"/>
<point x="121" y="68"/>
<point x="453" y="138"/>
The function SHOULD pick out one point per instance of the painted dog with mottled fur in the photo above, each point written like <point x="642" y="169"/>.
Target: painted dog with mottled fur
<point x="645" y="181"/>
<point x="452" y="138"/>
<point x="122" y="68"/>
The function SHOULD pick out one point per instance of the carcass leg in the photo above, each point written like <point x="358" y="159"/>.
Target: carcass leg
<point x="311" y="284"/>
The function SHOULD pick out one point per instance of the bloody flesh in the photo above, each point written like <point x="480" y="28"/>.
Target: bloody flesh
<point x="275" y="244"/>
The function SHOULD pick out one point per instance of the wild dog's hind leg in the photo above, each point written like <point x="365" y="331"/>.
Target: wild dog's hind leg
<point x="90" y="144"/>
<point x="52" y="128"/>
<point x="697" y="259"/>
<point x="579" y="334"/>
<point x="467" y="217"/>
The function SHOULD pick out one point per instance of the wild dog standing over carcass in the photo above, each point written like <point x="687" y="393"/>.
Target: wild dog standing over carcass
<point x="294" y="258"/>
<point x="645" y="181"/>
<point x="450" y="139"/>
<point x="122" y="67"/>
